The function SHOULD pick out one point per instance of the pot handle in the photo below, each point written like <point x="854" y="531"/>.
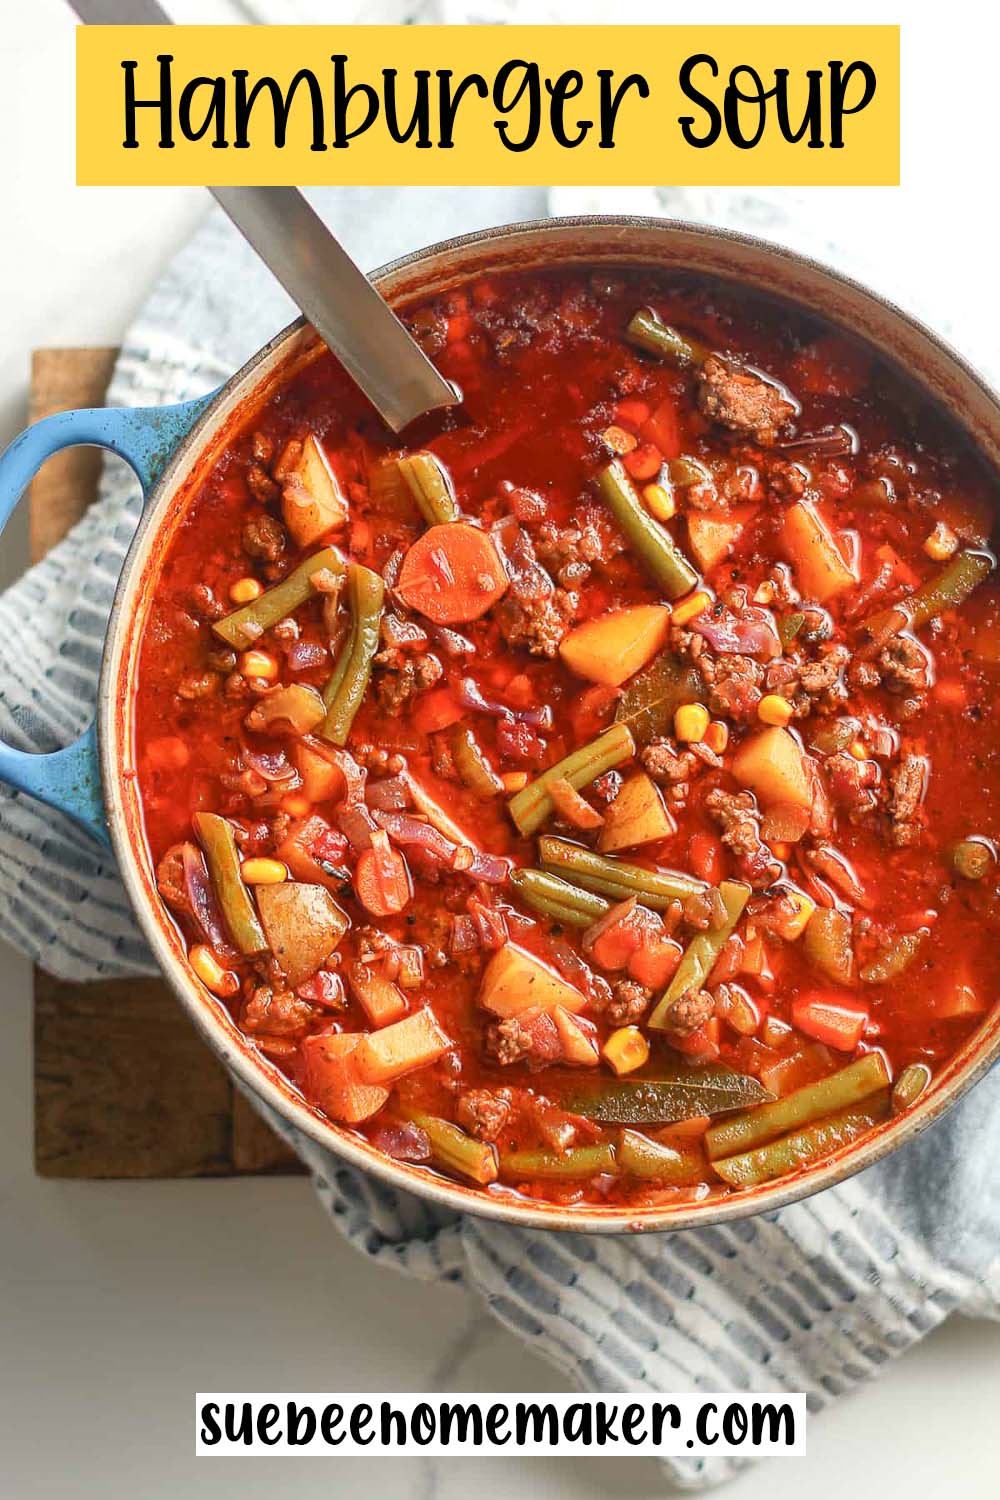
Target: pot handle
<point x="145" y="437"/>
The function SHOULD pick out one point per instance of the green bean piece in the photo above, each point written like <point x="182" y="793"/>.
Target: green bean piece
<point x="654" y="544"/>
<point x="429" y="484"/>
<point x="472" y="764"/>
<point x="789" y="627"/>
<point x="894" y="959"/>
<point x="614" y="878"/>
<point x="948" y="590"/>
<point x="647" y="331"/>
<point x="389" y="492"/>
<point x="972" y="858"/>
<point x="699" y="957"/>
<point x="365" y="594"/>
<point x="335" y="680"/>
<point x="686" y="471"/>
<point x="532" y="805"/>
<point x="840" y="1090"/>
<point x="295" y="709"/>
<point x="582" y="1161"/>
<point x="215" y="834"/>
<point x="836" y="734"/>
<point x="638" y="1156"/>
<point x="793" y="1152"/>
<point x="678" y="1092"/>
<point x="911" y="1083"/>
<point x="248" y="624"/>
<point x="557" y="898"/>
<point x="452" y="1148"/>
<point x="827" y="944"/>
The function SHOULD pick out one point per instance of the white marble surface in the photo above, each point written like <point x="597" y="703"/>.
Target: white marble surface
<point x="119" y="1301"/>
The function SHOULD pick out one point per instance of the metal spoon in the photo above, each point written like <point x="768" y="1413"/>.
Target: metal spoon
<point x="317" y="273"/>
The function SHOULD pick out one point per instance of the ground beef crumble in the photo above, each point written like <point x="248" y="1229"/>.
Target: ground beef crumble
<point x="483" y="1113"/>
<point x="907" y="788"/>
<point x="742" y="401"/>
<point x="739" y="822"/>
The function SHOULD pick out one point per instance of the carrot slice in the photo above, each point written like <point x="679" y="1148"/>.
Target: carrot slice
<point x="831" y="1020"/>
<point x="381" y="878"/>
<point x="452" y="573"/>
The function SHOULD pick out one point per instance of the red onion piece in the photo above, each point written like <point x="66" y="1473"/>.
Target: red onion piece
<point x="356" y="824"/>
<point x="204" y="906"/>
<point x="491" y="869"/>
<point x="450" y="642"/>
<point x="752" y="634"/>
<point x="305" y="654"/>
<point x="403" y="1142"/>
<point x="273" y="765"/>
<point x="464" y="938"/>
<point x="468" y="692"/>
<point x="392" y="794"/>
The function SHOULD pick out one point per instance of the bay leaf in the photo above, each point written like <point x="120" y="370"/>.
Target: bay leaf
<point x="678" y="1093"/>
<point x="654" y="695"/>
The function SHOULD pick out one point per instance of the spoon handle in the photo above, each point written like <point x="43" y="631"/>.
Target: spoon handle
<point x="318" y="274"/>
<point x="340" y="302"/>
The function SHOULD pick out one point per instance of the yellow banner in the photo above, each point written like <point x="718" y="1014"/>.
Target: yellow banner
<point x="463" y="105"/>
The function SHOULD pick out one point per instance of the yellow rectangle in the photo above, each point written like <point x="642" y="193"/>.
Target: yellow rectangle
<point x="491" y="104"/>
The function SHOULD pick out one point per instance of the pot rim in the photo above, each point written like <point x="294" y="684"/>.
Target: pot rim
<point x="260" y="1077"/>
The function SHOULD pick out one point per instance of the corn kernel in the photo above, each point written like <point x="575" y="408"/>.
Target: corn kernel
<point x="695" y="604"/>
<point x="773" y="709"/>
<point x="626" y="1049"/>
<point x="263" y="871"/>
<point x="245" y="590"/>
<point x="296" y="805"/>
<point x="659" y="502"/>
<point x="214" y="977"/>
<point x="514" y="781"/>
<point x="857" y="749"/>
<point x="691" y="722"/>
<point x="717" y="736"/>
<point x="942" y="543"/>
<point x="804" y="906"/>
<point x="259" y="664"/>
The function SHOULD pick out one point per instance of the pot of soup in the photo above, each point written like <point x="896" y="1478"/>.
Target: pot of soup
<point x="583" y="810"/>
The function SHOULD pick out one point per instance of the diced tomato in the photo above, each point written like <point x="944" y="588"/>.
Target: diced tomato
<point x="653" y="963"/>
<point x="632" y="412"/>
<point x="702" y="1044"/>
<point x="831" y="1019"/>
<point x="644" y="462"/>
<point x="436" y="710"/>
<point x="663" y="429"/>
<point x="706" y="856"/>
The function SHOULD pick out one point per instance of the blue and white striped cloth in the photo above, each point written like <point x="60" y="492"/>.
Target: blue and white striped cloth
<point x="818" y="1297"/>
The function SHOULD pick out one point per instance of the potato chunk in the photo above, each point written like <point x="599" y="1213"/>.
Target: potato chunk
<point x="312" y="501"/>
<point x="820" y="566"/>
<point x="331" y="1079"/>
<point x="775" y="768"/>
<point x="303" y="924"/>
<point x="386" y="1055"/>
<point x="578" y="1038"/>
<point x="614" y="647"/>
<point x="516" y="981"/>
<point x="713" y="535"/>
<point x="638" y="815"/>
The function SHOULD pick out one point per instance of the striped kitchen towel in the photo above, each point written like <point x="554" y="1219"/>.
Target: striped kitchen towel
<point x="818" y="1297"/>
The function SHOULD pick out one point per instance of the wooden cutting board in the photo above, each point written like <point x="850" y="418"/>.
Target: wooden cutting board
<point x="123" y="1085"/>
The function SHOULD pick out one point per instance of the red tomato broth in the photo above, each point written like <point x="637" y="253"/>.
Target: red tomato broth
<point x="545" y="370"/>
